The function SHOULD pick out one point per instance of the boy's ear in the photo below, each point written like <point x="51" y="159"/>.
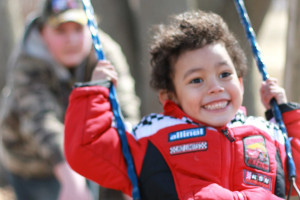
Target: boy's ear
<point x="165" y="95"/>
<point x="241" y="84"/>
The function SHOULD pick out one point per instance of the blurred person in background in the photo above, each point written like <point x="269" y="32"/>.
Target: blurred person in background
<point x="55" y="51"/>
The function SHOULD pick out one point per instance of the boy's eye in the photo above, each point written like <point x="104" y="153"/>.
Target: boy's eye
<point x="225" y="74"/>
<point x="197" y="80"/>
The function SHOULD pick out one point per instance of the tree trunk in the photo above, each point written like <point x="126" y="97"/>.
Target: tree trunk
<point x="150" y="13"/>
<point x="115" y="18"/>
<point x="9" y="24"/>
<point x="292" y="70"/>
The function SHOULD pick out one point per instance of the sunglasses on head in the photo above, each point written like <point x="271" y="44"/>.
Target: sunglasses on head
<point x="61" y="5"/>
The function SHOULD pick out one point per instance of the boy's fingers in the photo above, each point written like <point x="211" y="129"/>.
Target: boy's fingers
<point x="271" y="80"/>
<point x="270" y="90"/>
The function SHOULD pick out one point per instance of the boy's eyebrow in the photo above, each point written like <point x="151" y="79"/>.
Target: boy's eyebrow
<point x="192" y="71"/>
<point x="218" y="65"/>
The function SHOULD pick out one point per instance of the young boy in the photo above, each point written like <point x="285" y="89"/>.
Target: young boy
<point x="202" y="146"/>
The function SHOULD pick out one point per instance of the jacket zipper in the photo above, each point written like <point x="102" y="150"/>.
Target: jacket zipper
<point x="227" y="158"/>
<point x="227" y="134"/>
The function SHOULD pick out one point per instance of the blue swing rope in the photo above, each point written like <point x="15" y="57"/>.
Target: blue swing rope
<point x="92" y="24"/>
<point x="262" y="68"/>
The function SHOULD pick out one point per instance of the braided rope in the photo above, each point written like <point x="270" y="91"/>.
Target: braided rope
<point x="92" y="24"/>
<point x="256" y="52"/>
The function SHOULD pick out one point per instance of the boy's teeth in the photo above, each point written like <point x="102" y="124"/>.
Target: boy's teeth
<point x="216" y="106"/>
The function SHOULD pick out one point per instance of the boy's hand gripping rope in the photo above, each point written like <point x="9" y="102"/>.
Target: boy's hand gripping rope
<point x="92" y="24"/>
<point x="261" y="66"/>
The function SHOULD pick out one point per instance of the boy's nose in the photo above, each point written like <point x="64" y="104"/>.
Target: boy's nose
<point x="215" y="87"/>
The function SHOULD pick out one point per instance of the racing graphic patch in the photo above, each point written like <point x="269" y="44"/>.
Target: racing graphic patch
<point x="188" y="148"/>
<point x="186" y="134"/>
<point x="256" y="155"/>
<point x="253" y="178"/>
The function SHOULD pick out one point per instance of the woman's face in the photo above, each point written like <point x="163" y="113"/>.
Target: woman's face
<point x="69" y="43"/>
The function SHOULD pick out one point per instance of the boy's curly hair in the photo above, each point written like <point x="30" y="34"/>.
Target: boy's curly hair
<point x="188" y="31"/>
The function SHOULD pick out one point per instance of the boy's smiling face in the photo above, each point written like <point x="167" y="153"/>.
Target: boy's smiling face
<point x="206" y="84"/>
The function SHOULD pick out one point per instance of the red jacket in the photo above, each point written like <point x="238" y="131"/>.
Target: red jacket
<point x="176" y="157"/>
